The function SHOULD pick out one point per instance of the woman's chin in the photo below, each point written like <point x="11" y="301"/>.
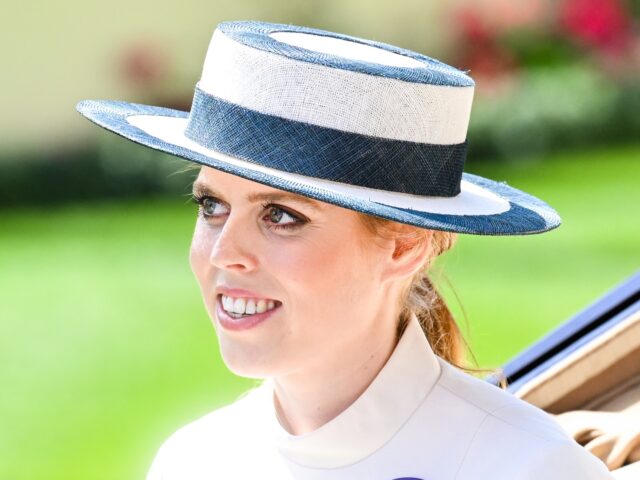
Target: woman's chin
<point x="247" y="370"/>
<point x="245" y="361"/>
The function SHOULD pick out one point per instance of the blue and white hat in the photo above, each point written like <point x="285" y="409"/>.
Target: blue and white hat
<point x="352" y="122"/>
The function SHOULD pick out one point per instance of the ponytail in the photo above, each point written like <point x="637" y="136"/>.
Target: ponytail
<point x="436" y="320"/>
<point x="422" y="299"/>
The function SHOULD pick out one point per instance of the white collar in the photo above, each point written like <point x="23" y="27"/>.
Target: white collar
<point x="375" y="417"/>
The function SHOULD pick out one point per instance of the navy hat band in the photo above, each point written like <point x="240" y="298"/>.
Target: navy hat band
<point x="327" y="153"/>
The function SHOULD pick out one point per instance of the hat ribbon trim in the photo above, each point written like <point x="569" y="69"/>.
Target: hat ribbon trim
<point x="327" y="153"/>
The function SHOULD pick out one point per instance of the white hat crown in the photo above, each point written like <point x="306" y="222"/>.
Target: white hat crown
<point x="284" y="78"/>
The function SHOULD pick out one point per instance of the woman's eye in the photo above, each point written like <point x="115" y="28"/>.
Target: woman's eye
<point x="211" y="207"/>
<point x="276" y="214"/>
<point x="276" y="217"/>
<point x="280" y="218"/>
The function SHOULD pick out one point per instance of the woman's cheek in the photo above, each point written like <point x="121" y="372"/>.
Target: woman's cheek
<point x="316" y="275"/>
<point x="199" y="251"/>
<point x="302" y="264"/>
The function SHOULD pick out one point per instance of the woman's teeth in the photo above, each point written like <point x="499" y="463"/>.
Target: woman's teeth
<point x="246" y="306"/>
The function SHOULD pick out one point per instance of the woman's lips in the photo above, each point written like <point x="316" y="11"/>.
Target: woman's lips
<point x="237" y="292"/>
<point x="244" y="323"/>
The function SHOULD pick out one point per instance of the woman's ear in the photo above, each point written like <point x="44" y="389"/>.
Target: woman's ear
<point x="408" y="252"/>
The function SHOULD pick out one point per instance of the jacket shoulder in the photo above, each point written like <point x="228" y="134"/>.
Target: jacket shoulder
<point x="190" y="450"/>
<point x="514" y="439"/>
<point x="561" y="460"/>
<point x="500" y="407"/>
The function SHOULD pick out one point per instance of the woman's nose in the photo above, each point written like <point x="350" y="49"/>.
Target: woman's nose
<point x="232" y="248"/>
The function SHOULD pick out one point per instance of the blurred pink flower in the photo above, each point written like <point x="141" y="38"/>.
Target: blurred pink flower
<point x="471" y="25"/>
<point x="603" y="24"/>
<point x="479" y="48"/>
<point x="483" y="18"/>
<point x="143" y="64"/>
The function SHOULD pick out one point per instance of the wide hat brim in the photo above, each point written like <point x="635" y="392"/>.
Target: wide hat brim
<point x="483" y="206"/>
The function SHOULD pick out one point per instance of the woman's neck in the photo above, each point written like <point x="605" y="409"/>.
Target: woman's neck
<point x="309" y="398"/>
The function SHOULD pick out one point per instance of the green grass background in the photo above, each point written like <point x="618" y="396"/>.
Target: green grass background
<point x="105" y="347"/>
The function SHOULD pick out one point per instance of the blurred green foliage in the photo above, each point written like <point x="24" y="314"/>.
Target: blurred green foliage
<point x="554" y="109"/>
<point x="550" y="76"/>
<point x="113" y="168"/>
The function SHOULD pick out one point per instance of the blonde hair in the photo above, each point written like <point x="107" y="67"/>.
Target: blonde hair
<point x="421" y="297"/>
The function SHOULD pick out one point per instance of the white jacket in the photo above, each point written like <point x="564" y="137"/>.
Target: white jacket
<point x="420" y="419"/>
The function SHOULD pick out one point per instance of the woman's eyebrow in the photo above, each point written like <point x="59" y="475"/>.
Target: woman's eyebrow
<point x="280" y="196"/>
<point x="201" y="189"/>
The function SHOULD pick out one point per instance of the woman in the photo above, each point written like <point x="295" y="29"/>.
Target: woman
<point x="331" y="178"/>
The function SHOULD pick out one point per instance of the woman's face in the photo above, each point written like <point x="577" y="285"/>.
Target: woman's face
<point x="313" y="263"/>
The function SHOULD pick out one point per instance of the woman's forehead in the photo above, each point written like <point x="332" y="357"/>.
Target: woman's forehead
<point x="215" y="182"/>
